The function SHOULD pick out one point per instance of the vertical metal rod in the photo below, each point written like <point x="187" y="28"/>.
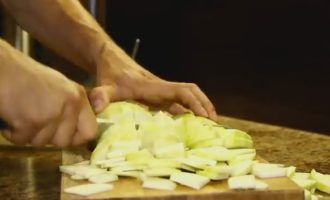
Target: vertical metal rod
<point x="22" y="40"/>
<point x="25" y="43"/>
<point x="135" y="48"/>
<point x="92" y="7"/>
<point x="18" y="38"/>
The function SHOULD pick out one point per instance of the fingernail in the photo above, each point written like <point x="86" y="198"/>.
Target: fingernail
<point x="204" y="113"/>
<point x="97" y="105"/>
<point x="214" y="115"/>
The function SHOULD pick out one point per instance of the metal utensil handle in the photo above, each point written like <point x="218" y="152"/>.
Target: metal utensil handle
<point x="135" y="48"/>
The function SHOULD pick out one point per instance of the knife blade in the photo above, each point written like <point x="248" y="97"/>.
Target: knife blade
<point x="100" y="121"/>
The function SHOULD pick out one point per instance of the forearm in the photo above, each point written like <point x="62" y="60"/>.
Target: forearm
<point x="65" y="27"/>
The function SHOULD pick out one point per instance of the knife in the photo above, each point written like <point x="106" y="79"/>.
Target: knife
<point x="100" y="121"/>
<point x="3" y="125"/>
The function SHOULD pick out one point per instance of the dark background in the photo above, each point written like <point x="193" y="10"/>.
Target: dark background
<point x="261" y="60"/>
<point x="267" y="61"/>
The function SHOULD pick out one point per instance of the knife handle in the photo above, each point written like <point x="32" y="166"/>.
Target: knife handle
<point x="3" y="124"/>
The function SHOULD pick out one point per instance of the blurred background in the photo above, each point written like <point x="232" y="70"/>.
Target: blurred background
<point x="266" y="61"/>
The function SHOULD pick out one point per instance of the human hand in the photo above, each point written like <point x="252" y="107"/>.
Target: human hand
<point x="41" y="106"/>
<point x="120" y="78"/>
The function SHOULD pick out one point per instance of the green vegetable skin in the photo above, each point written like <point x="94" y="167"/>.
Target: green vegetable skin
<point x="146" y="145"/>
<point x="132" y="121"/>
<point x="322" y="181"/>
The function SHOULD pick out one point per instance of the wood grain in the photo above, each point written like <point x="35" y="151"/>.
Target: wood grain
<point x="129" y="188"/>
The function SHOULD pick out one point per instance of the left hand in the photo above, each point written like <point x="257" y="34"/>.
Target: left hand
<point x="121" y="78"/>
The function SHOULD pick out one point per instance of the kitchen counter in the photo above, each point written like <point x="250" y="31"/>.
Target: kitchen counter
<point x="32" y="173"/>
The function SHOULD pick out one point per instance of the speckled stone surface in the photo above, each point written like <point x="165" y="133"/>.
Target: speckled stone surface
<point x="276" y="144"/>
<point x="32" y="173"/>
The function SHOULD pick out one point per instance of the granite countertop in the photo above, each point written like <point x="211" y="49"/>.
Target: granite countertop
<point x="32" y="173"/>
<point x="276" y="144"/>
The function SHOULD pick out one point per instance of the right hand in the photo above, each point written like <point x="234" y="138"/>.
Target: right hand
<point x="41" y="106"/>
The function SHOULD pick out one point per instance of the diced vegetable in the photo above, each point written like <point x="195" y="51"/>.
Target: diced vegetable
<point x="170" y="151"/>
<point x="128" y="167"/>
<point x="84" y="162"/>
<point x="77" y="177"/>
<point x="88" y="189"/>
<point x="290" y="171"/>
<point x="140" y="157"/>
<point x="213" y="153"/>
<point x="241" y="158"/>
<point x="101" y="150"/>
<point x="213" y="175"/>
<point x="197" y="162"/>
<point x="238" y="152"/>
<point x="113" y="154"/>
<point x="110" y="162"/>
<point x="160" y="172"/>
<point x="189" y="179"/>
<point x="241" y="168"/>
<point x="132" y="174"/>
<point x="81" y="170"/>
<point x="221" y="168"/>
<point x="147" y="145"/>
<point x="103" y="178"/>
<point x="268" y="171"/>
<point x="302" y="175"/>
<point x="159" y="183"/>
<point x="242" y="182"/>
<point x="322" y="181"/>
<point x="236" y="139"/>
<point x="304" y="180"/>
<point x="188" y="168"/>
<point x="246" y="182"/>
<point x="171" y="163"/>
<point x="305" y="183"/>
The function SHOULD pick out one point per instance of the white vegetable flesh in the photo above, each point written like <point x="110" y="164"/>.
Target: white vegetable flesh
<point x="147" y="145"/>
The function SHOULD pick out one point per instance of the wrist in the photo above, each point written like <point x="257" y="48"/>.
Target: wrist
<point x="112" y="60"/>
<point x="89" y="45"/>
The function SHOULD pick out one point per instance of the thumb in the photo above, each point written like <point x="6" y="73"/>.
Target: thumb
<point x="100" y="97"/>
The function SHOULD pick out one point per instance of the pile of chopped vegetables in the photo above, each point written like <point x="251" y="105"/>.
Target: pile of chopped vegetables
<point x="164" y="150"/>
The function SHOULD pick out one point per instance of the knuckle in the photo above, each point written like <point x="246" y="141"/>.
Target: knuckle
<point x="186" y="92"/>
<point x="17" y="124"/>
<point x="81" y="91"/>
<point x="193" y="85"/>
<point x="190" y="86"/>
<point x="73" y="97"/>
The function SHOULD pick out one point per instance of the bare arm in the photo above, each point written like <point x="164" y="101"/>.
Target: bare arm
<point x="65" y="27"/>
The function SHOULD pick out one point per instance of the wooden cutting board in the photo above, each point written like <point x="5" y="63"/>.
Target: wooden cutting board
<point x="129" y="188"/>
